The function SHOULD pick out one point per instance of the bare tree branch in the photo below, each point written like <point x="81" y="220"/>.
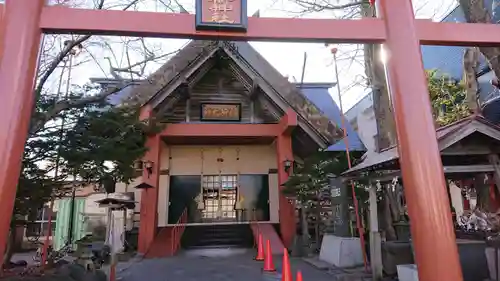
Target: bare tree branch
<point x="61" y="56"/>
<point x="67" y="104"/>
<point x="67" y="49"/>
<point x="314" y="6"/>
<point x="39" y="122"/>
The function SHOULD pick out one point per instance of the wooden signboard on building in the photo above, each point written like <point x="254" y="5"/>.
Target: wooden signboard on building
<point x="221" y="15"/>
<point x="221" y="112"/>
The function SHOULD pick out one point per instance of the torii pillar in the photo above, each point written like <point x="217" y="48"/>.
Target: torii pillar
<point x="424" y="184"/>
<point x="20" y="42"/>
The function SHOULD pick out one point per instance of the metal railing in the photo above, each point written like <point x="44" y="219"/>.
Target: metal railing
<point x="177" y="232"/>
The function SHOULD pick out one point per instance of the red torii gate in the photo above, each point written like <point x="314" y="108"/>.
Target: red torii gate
<point x="425" y="188"/>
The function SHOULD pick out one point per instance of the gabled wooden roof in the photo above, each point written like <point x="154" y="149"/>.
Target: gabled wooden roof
<point x="172" y="69"/>
<point x="284" y="94"/>
<point x="446" y="137"/>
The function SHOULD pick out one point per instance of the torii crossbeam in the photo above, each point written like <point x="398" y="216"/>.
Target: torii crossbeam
<point x="425" y="187"/>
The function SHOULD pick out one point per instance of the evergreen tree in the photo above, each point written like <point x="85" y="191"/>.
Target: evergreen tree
<point x="309" y="182"/>
<point x="447" y="98"/>
<point x="90" y="144"/>
<point x="309" y="185"/>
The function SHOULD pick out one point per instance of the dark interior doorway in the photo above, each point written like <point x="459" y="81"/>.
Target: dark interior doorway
<point x="250" y="202"/>
<point x="183" y="190"/>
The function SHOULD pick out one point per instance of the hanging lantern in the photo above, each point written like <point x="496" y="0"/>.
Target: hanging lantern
<point x="287" y="165"/>
<point x="148" y="165"/>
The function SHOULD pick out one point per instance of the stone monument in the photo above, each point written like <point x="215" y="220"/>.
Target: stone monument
<point x="339" y="248"/>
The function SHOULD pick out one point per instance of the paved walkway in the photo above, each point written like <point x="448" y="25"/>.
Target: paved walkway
<point x="188" y="267"/>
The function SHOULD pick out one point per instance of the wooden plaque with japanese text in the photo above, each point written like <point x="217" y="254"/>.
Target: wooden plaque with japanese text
<point x="221" y="15"/>
<point x="220" y="112"/>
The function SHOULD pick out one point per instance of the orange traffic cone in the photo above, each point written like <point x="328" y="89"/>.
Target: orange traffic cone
<point x="260" y="249"/>
<point x="299" y="276"/>
<point x="286" y="271"/>
<point x="112" y="273"/>
<point x="268" y="262"/>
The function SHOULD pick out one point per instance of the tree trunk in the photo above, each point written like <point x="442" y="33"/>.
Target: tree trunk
<point x="390" y="232"/>
<point x="475" y="12"/>
<point x="9" y="250"/>
<point x="318" y="225"/>
<point x="483" y="193"/>
<point x="382" y="106"/>
<point x="391" y="197"/>
<point x="470" y="67"/>
<point x="304" y="226"/>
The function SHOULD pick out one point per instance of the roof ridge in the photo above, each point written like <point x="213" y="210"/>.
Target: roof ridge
<point x="197" y="52"/>
<point x="170" y="70"/>
<point x="294" y="98"/>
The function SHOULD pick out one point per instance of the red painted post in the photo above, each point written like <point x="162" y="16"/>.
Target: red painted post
<point x="17" y="72"/>
<point x="285" y="153"/>
<point x="286" y="209"/>
<point x="2" y="19"/>
<point x="425" y="187"/>
<point x="149" y="196"/>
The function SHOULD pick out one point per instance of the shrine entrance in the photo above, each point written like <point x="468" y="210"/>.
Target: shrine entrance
<point x="234" y="198"/>
<point x="24" y="21"/>
<point x="220" y="197"/>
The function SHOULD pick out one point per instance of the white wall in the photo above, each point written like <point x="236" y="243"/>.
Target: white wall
<point x="362" y="117"/>
<point x="367" y="128"/>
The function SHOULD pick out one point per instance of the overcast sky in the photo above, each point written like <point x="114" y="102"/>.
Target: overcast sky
<point x="286" y="57"/>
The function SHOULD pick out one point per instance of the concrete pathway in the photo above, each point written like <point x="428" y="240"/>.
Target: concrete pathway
<point x="194" y="267"/>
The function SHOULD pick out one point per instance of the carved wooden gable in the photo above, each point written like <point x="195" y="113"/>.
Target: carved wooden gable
<point x="219" y="96"/>
<point x="244" y="71"/>
<point x="288" y="92"/>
